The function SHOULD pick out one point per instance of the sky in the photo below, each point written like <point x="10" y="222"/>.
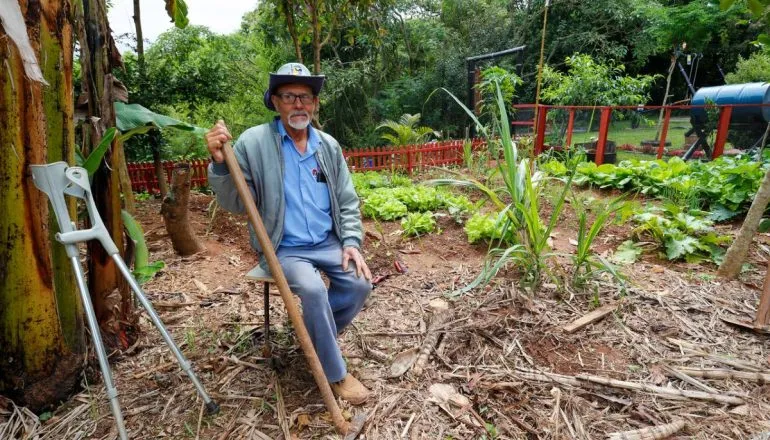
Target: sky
<point x="221" y="16"/>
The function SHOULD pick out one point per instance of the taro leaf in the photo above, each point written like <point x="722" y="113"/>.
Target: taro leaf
<point x="764" y="225"/>
<point x="404" y="361"/>
<point x="177" y="10"/>
<point x="679" y="245"/>
<point x="628" y="252"/>
<point x="134" y="119"/>
<point x="91" y="164"/>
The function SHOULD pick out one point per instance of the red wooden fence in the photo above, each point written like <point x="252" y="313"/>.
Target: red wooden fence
<point x="403" y="158"/>
<point x="143" y="179"/>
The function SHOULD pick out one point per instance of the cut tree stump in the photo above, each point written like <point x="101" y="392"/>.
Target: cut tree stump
<point x="174" y="211"/>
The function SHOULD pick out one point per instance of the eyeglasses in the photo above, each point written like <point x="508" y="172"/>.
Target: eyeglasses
<point x="291" y="98"/>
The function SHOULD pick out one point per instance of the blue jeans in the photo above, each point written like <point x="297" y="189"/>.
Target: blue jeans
<point x="326" y="312"/>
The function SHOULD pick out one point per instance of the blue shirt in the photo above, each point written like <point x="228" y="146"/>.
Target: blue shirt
<point x="308" y="219"/>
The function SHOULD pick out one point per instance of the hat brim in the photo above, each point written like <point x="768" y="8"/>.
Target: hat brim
<point x="315" y="82"/>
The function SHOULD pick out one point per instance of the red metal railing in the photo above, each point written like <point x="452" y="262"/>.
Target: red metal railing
<point x="403" y="158"/>
<point x="540" y="126"/>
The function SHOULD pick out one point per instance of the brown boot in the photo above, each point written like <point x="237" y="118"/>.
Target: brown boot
<point x="351" y="390"/>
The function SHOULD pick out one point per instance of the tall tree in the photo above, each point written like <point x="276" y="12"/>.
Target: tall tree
<point x="321" y="22"/>
<point x="41" y="326"/>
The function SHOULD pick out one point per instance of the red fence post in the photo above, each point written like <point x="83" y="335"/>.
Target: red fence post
<point x="664" y="132"/>
<point x="540" y="128"/>
<point x="725" y="114"/>
<point x="409" y="159"/>
<point x="604" y="128"/>
<point x="570" y="127"/>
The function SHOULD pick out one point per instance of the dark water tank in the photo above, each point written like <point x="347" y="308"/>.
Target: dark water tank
<point x="749" y="93"/>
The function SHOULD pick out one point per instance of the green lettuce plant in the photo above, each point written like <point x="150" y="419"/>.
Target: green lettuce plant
<point x="418" y="223"/>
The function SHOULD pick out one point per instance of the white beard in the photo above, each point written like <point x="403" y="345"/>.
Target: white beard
<point x="297" y="125"/>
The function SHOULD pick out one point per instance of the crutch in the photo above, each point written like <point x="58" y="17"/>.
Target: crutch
<point x="56" y="180"/>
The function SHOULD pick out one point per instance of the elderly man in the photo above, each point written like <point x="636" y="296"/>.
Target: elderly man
<point x="302" y="187"/>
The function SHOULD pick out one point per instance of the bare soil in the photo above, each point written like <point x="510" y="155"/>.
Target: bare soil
<point x="510" y="364"/>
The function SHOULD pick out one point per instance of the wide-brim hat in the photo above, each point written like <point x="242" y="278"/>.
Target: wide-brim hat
<point x="292" y="73"/>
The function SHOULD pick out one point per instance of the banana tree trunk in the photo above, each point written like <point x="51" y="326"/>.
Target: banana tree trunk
<point x="41" y="327"/>
<point x="109" y="292"/>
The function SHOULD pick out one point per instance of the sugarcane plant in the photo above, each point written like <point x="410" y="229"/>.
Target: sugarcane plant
<point x="524" y="237"/>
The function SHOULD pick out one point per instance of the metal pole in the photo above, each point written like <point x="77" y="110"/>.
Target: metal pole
<point x="540" y="74"/>
<point x="96" y="336"/>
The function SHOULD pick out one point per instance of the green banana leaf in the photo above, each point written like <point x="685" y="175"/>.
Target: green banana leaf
<point x="91" y="163"/>
<point x="143" y="269"/>
<point x="134" y="119"/>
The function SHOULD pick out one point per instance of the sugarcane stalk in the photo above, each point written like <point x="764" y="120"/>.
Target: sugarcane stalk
<point x="650" y="433"/>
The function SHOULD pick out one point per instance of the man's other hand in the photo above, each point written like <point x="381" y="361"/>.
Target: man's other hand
<point x="351" y="253"/>
<point x="215" y="140"/>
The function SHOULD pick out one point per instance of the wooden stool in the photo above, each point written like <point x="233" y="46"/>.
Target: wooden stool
<point x="260" y="275"/>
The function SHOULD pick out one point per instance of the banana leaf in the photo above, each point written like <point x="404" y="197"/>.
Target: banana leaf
<point x="91" y="163"/>
<point x="134" y="119"/>
<point x="143" y="269"/>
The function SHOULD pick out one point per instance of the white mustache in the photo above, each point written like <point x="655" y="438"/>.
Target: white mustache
<point x="299" y="113"/>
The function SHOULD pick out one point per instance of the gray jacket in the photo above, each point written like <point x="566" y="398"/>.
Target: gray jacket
<point x="258" y="151"/>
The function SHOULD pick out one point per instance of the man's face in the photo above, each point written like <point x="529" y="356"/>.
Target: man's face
<point x="295" y="103"/>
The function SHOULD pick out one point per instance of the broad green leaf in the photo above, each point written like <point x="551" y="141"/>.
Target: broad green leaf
<point x="93" y="160"/>
<point x="177" y="10"/>
<point x="680" y="245"/>
<point x="725" y="4"/>
<point x="147" y="272"/>
<point x="764" y="225"/>
<point x="135" y="232"/>
<point x="143" y="269"/>
<point x="756" y="7"/>
<point x="628" y="252"/>
<point x="134" y="119"/>
<point x="720" y="213"/>
<point x="764" y="39"/>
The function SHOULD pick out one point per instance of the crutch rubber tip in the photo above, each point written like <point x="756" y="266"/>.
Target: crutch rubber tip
<point x="212" y="408"/>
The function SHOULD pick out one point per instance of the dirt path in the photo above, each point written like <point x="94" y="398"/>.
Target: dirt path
<point x="494" y="351"/>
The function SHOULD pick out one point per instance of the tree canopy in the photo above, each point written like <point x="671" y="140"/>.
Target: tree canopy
<point x="383" y="59"/>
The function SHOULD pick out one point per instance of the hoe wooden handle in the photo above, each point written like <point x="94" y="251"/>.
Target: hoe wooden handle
<point x="283" y="287"/>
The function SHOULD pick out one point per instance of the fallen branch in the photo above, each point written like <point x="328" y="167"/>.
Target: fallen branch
<point x="731" y="362"/>
<point x="590" y="317"/>
<point x="430" y="341"/>
<point x="541" y="376"/>
<point x="684" y="377"/>
<point x="662" y="391"/>
<point x="651" y="433"/>
<point x="726" y="374"/>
